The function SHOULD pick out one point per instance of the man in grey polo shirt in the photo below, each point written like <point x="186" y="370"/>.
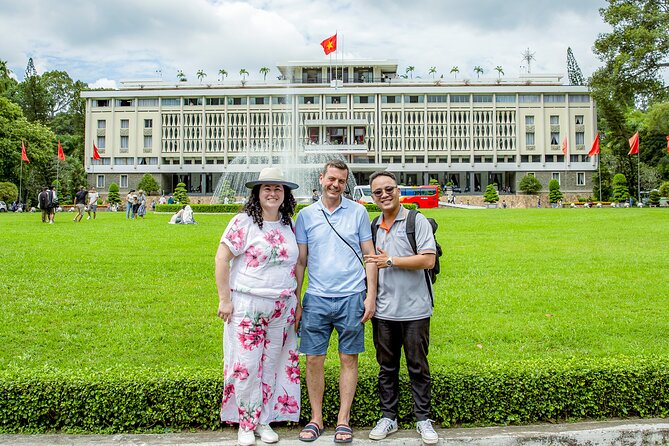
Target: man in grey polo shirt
<point x="403" y="308"/>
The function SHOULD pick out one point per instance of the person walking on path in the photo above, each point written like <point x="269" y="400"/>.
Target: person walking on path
<point x="332" y="235"/>
<point x="92" y="203"/>
<point x="403" y="308"/>
<point x="80" y="203"/>
<point x="255" y="278"/>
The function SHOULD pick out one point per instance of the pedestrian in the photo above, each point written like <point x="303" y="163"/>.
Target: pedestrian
<point x="128" y="205"/>
<point x="403" y="308"/>
<point x="52" y="203"/>
<point x="135" y="206"/>
<point x="43" y="204"/>
<point x="170" y="200"/>
<point x="80" y="203"/>
<point x="255" y="278"/>
<point x="141" y="199"/>
<point x="332" y="235"/>
<point x="92" y="203"/>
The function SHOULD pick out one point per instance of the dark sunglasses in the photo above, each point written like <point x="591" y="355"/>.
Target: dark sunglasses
<point x="388" y="189"/>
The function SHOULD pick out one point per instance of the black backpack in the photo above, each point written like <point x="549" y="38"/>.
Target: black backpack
<point x="430" y="274"/>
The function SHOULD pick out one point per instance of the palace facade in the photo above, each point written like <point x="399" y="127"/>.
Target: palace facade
<point x="470" y="132"/>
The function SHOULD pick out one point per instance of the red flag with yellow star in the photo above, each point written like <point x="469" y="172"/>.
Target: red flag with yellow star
<point x="330" y="44"/>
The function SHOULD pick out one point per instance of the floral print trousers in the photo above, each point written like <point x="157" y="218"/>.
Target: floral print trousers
<point x="261" y="365"/>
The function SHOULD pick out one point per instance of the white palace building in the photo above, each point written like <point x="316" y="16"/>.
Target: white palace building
<point x="471" y="132"/>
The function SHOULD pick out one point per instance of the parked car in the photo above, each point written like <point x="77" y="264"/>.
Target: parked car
<point x="3" y="206"/>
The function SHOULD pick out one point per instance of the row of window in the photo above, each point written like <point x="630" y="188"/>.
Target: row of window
<point x="125" y="123"/>
<point x="366" y="99"/>
<point x="124" y="142"/>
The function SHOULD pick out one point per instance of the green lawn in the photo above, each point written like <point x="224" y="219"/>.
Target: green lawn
<point x="516" y="284"/>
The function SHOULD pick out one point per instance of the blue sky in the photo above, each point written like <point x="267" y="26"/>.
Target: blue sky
<point x="102" y="42"/>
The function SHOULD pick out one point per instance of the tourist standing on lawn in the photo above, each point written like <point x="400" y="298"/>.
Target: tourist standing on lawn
<point x="332" y="235"/>
<point x="80" y="203"/>
<point x="52" y="202"/>
<point x="403" y="308"/>
<point x="141" y="210"/>
<point x="92" y="203"/>
<point x="43" y="204"/>
<point x="255" y="277"/>
<point x="129" y="201"/>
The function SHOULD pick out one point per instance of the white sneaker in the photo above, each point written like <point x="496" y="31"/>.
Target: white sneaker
<point x="427" y="432"/>
<point x="266" y="433"/>
<point x="384" y="427"/>
<point x="245" y="438"/>
<point x="88" y="218"/>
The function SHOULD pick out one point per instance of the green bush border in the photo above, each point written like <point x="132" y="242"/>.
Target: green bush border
<point x="150" y="400"/>
<point x="235" y="208"/>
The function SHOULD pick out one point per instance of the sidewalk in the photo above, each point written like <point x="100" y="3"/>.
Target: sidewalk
<point x="616" y="432"/>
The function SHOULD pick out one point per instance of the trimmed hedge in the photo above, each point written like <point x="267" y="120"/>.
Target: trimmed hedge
<point x="237" y="207"/>
<point x="150" y="400"/>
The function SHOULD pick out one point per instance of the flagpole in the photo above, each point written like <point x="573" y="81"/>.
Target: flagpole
<point x="638" y="174"/>
<point x="599" y="174"/>
<point x="21" y="182"/>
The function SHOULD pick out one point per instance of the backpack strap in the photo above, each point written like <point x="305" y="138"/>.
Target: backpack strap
<point x="375" y="227"/>
<point x="411" y="235"/>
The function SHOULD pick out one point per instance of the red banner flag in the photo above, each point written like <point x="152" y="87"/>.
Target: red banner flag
<point x="634" y="144"/>
<point x="595" y="147"/>
<point x="564" y="145"/>
<point x="96" y="154"/>
<point x="61" y="155"/>
<point x="667" y="143"/>
<point x="24" y="156"/>
<point x="330" y="44"/>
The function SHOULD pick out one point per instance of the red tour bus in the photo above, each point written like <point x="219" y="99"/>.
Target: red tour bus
<point x="421" y="196"/>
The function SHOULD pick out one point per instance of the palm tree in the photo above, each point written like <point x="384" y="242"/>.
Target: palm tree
<point x="410" y="69"/>
<point x="201" y="75"/>
<point x="264" y="71"/>
<point x="181" y="76"/>
<point x="478" y="70"/>
<point x="455" y="71"/>
<point x="432" y="71"/>
<point x="223" y="74"/>
<point x="243" y="73"/>
<point x="500" y="71"/>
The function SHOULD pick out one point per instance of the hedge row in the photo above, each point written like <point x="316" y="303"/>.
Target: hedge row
<point x="149" y="400"/>
<point x="234" y="208"/>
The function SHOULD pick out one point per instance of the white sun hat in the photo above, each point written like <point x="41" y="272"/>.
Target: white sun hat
<point x="272" y="175"/>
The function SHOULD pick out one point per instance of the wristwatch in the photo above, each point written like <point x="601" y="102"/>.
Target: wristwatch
<point x="389" y="262"/>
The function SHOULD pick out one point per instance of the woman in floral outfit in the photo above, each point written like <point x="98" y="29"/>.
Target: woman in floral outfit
<point x="255" y="277"/>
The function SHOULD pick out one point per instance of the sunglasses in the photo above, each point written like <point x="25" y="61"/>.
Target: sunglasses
<point x="388" y="189"/>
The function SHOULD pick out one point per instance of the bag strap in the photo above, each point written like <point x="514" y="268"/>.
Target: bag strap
<point x="343" y="239"/>
<point x="411" y="235"/>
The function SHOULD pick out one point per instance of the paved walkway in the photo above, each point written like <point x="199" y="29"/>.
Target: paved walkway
<point x="616" y="432"/>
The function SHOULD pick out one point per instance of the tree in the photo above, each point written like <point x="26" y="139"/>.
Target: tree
<point x="654" y="197"/>
<point x="500" y="71"/>
<point x="114" y="197"/>
<point x="181" y="76"/>
<point x="620" y="192"/>
<point x="264" y="71"/>
<point x="529" y="185"/>
<point x="201" y="75"/>
<point x="180" y="195"/>
<point x="227" y="195"/>
<point x="8" y="192"/>
<point x="664" y="189"/>
<point x="410" y="70"/>
<point x="33" y="96"/>
<point x="223" y="74"/>
<point x="6" y="81"/>
<point x="433" y="71"/>
<point x="490" y="195"/>
<point x="478" y="70"/>
<point x="243" y="73"/>
<point x="606" y="183"/>
<point x="573" y="70"/>
<point x="455" y="71"/>
<point x="554" y="193"/>
<point x="149" y="184"/>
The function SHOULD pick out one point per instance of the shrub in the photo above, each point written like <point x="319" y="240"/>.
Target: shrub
<point x="654" y="197"/>
<point x="227" y="194"/>
<point x="664" y="189"/>
<point x="490" y="195"/>
<point x="149" y="184"/>
<point x="180" y="195"/>
<point x="113" y="197"/>
<point x="620" y="191"/>
<point x="8" y="192"/>
<point x="554" y="194"/>
<point x="529" y="185"/>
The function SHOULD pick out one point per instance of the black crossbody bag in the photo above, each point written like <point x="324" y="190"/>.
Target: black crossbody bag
<point x="347" y="244"/>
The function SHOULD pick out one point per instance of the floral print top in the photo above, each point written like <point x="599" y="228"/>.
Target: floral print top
<point x="265" y="258"/>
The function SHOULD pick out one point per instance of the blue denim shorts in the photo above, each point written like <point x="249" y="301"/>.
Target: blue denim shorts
<point x="320" y="315"/>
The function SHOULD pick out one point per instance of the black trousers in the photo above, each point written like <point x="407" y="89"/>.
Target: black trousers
<point x="389" y="338"/>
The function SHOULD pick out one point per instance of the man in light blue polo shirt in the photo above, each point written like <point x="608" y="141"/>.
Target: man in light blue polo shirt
<point x="333" y="235"/>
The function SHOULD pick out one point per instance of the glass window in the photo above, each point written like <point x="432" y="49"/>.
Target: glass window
<point x="528" y="98"/>
<point x="580" y="178"/>
<point x="437" y="98"/>
<point x="214" y="101"/>
<point x="363" y="99"/>
<point x="101" y="142"/>
<point x="101" y="182"/>
<point x="192" y="101"/>
<point x="148" y="123"/>
<point x="101" y="103"/>
<point x="413" y="99"/>
<point x="554" y="98"/>
<point x="259" y="101"/>
<point x="125" y="123"/>
<point x="335" y="99"/>
<point x="152" y="102"/>
<point x="102" y="124"/>
<point x="529" y="139"/>
<point x="505" y="98"/>
<point x="459" y="98"/>
<point x="124" y="142"/>
<point x="391" y="99"/>
<point x="555" y="138"/>
<point x="580" y="138"/>
<point x="529" y="120"/>
<point x="123" y="181"/>
<point x="482" y="98"/>
<point x="124" y="102"/>
<point x="555" y="120"/>
<point x="584" y="98"/>
<point x="148" y="141"/>
<point x="170" y="102"/>
<point x="556" y="176"/>
<point x="281" y="100"/>
<point x="578" y="119"/>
